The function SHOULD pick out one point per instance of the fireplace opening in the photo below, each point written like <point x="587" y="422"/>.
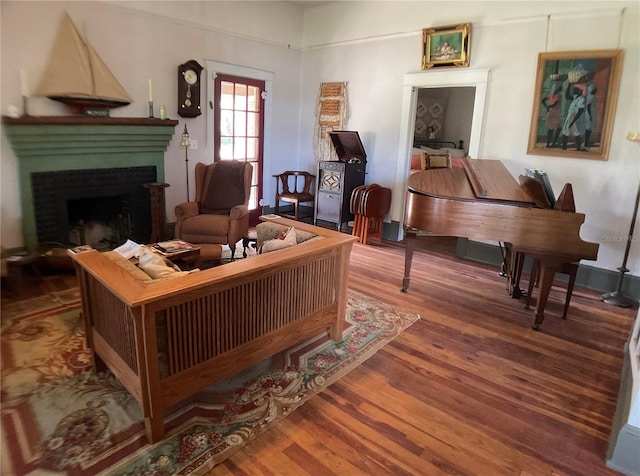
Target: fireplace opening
<point x="102" y="222"/>
<point x="99" y="207"/>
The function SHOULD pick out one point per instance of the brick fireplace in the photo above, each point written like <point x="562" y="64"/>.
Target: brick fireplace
<point x="79" y="171"/>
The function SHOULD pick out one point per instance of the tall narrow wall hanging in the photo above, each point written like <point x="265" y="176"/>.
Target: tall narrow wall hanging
<point x="331" y="115"/>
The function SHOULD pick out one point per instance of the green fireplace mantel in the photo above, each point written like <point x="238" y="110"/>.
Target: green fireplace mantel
<point x="47" y="144"/>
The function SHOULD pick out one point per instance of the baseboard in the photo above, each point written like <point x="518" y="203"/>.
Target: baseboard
<point x="598" y="279"/>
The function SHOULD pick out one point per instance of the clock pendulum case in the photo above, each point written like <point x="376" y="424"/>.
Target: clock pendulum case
<point x="189" y="89"/>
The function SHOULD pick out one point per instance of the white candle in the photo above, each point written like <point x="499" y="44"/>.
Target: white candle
<point x="24" y="90"/>
<point x="150" y="92"/>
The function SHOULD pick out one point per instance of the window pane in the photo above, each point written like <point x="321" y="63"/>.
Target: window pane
<point x="241" y="97"/>
<point x="256" y="173"/>
<point x="252" y="124"/>
<point x="226" y="99"/>
<point x="240" y="124"/>
<point x="239" y="148"/>
<point x="253" y="201"/>
<point x="252" y="150"/>
<point x="226" y="148"/>
<point x="226" y="123"/>
<point x="254" y="99"/>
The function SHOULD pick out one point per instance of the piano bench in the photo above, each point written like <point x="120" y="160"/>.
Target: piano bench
<point x="570" y="269"/>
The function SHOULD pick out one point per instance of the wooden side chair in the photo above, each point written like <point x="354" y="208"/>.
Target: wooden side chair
<point x="295" y="186"/>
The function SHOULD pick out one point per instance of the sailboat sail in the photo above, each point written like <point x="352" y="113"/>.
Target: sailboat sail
<point x="77" y="76"/>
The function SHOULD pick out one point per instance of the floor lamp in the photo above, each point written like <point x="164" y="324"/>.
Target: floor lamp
<point x="186" y="143"/>
<point x="616" y="297"/>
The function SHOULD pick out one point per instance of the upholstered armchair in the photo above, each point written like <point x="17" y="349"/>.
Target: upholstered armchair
<point x="220" y="213"/>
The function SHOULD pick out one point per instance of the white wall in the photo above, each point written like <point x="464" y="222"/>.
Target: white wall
<point x="460" y="115"/>
<point x="138" y="45"/>
<point x="373" y="47"/>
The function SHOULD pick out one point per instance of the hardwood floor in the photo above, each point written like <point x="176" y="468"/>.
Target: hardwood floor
<point x="470" y="389"/>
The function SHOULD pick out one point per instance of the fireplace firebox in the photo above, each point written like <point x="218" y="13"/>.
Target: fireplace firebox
<point x="70" y="203"/>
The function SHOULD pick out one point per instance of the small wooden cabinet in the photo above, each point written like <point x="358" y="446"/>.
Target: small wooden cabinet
<point x="337" y="179"/>
<point x="335" y="183"/>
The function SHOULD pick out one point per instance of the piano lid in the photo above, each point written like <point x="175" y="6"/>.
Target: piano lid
<point x="480" y="179"/>
<point x="442" y="201"/>
<point x="348" y="146"/>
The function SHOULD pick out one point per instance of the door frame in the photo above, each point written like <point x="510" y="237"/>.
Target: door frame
<point x="214" y="67"/>
<point x="477" y="78"/>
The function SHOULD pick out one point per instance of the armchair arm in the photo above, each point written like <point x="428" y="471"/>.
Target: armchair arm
<point x="183" y="211"/>
<point x="238" y="211"/>
<point x="238" y="223"/>
<point x="186" y="210"/>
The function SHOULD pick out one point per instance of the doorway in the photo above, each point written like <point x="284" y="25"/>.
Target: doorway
<point x="239" y="135"/>
<point x="444" y="117"/>
<point x="250" y="86"/>
<point x="412" y="83"/>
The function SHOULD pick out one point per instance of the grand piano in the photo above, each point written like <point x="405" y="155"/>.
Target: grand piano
<point x="483" y="201"/>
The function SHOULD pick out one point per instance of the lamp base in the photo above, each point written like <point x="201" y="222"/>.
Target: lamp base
<point x="617" y="299"/>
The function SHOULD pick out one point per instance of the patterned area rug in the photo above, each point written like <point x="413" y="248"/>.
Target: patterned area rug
<point x="58" y="416"/>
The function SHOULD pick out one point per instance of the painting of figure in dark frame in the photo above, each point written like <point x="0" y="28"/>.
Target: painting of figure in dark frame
<point x="574" y="103"/>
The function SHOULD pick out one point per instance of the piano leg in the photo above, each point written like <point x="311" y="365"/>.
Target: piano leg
<point x="409" y="246"/>
<point x="547" y="273"/>
<point x="518" y="263"/>
<point x="512" y="262"/>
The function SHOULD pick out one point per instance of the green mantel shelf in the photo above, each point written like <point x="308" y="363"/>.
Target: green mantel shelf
<point x="85" y="121"/>
<point x="34" y="136"/>
<point x="54" y="143"/>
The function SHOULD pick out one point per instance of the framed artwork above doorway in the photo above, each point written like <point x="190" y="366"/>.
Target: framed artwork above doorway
<point x="446" y="46"/>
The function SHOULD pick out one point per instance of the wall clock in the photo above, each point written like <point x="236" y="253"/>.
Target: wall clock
<point x="189" y="89"/>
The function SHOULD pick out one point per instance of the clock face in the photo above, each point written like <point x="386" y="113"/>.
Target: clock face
<point x="190" y="76"/>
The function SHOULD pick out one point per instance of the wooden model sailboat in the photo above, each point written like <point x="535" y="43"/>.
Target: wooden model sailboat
<point x="77" y="76"/>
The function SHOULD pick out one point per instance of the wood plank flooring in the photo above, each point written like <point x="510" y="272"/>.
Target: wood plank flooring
<point x="470" y="389"/>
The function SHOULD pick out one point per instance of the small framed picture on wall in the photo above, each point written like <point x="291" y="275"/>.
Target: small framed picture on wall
<point x="446" y="46"/>
<point x="574" y="103"/>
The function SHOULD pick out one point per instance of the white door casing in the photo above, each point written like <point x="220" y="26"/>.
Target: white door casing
<point x="477" y="78"/>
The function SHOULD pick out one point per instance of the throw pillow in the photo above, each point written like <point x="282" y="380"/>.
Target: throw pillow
<point x="157" y="266"/>
<point x="288" y="239"/>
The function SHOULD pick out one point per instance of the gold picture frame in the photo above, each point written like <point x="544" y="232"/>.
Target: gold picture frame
<point x="447" y="45"/>
<point x="574" y="103"/>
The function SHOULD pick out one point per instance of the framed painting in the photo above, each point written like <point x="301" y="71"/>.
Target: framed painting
<point x="574" y="103"/>
<point x="446" y="46"/>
